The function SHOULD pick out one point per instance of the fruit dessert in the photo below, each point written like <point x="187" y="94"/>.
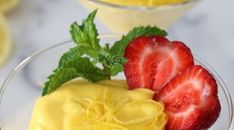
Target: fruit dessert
<point x="163" y="90"/>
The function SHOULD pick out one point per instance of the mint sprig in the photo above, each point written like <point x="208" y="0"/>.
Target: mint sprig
<point x="82" y="61"/>
<point x="70" y="55"/>
<point x="86" y="35"/>
<point x="75" y="67"/>
<point x="60" y="76"/>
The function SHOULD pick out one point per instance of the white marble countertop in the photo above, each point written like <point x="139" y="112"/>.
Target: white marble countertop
<point x="208" y="29"/>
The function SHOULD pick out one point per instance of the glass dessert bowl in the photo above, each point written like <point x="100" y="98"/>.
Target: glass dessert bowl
<point x="121" y="18"/>
<point x="24" y="85"/>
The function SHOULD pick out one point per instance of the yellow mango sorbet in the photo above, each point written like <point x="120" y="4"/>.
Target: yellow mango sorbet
<point x="106" y="105"/>
<point x="144" y="2"/>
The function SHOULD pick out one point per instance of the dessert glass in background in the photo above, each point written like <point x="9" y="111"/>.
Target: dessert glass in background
<point x="5" y="35"/>
<point x="120" y="18"/>
<point x="5" y="40"/>
<point x="23" y="86"/>
<point x="8" y="5"/>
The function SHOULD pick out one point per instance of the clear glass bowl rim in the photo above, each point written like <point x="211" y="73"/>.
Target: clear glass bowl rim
<point x="27" y="60"/>
<point x="143" y="8"/>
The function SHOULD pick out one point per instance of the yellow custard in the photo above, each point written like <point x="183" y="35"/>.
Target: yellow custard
<point x="144" y="2"/>
<point x="107" y="105"/>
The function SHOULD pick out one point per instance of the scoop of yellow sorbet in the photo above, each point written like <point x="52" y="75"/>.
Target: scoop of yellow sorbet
<point x="144" y="2"/>
<point x="107" y="105"/>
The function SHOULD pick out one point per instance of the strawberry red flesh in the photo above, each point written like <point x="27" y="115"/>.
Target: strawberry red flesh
<point x="138" y="70"/>
<point x="154" y="60"/>
<point x="191" y="100"/>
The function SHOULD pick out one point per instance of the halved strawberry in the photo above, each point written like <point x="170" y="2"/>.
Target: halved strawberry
<point x="141" y="57"/>
<point x="154" y="60"/>
<point x="191" y="100"/>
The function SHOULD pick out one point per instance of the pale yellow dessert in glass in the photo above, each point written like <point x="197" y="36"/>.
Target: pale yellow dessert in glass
<point x="123" y="15"/>
<point x="106" y="105"/>
<point x="7" y="5"/>
<point x="143" y="2"/>
<point x="5" y="40"/>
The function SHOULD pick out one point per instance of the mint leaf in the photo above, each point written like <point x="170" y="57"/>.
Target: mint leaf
<point x="113" y="62"/>
<point x="119" y="47"/>
<point x="76" y="62"/>
<point x="87" y="70"/>
<point x="71" y="54"/>
<point x="74" y="68"/>
<point x="86" y="35"/>
<point x="115" y="70"/>
<point x="59" y="77"/>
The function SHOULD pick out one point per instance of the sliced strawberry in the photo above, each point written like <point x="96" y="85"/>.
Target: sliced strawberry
<point x="141" y="55"/>
<point x="212" y="113"/>
<point x="191" y="100"/>
<point x="153" y="61"/>
<point x="189" y="119"/>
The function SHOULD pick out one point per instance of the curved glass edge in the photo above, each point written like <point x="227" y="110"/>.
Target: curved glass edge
<point x="11" y="75"/>
<point x="27" y="60"/>
<point x="143" y="8"/>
